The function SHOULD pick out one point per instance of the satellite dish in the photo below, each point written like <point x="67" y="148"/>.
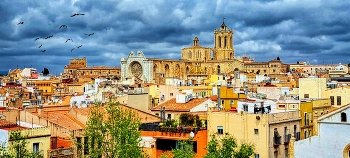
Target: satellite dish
<point x="192" y="134"/>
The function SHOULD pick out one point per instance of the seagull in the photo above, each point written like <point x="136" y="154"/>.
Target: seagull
<point x="88" y="34"/>
<point x="43" y="51"/>
<point x="40" y="46"/>
<point x="63" y="26"/>
<point x="20" y="23"/>
<point x="79" y="46"/>
<point x="37" y="38"/>
<point x="75" y="14"/>
<point x="68" y="40"/>
<point x="72" y="49"/>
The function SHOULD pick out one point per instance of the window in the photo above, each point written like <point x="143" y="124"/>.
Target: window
<point x="306" y="119"/>
<point x="171" y="94"/>
<point x="306" y="95"/>
<point x="343" y="117"/>
<point x="256" y="131"/>
<point x="169" y="116"/>
<point x="295" y="130"/>
<point x="338" y="100"/>
<point x="36" y="148"/>
<point x="86" y="145"/>
<point x="332" y="100"/>
<point x="256" y="156"/>
<point x="220" y="130"/>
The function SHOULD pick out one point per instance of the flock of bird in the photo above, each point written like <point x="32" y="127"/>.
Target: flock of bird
<point x="61" y="27"/>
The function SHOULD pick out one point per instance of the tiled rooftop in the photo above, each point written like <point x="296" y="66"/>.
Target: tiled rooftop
<point x="171" y="105"/>
<point x="62" y="118"/>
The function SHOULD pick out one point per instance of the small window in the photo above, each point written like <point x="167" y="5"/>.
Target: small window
<point x="36" y="148"/>
<point x="256" y="156"/>
<point x="256" y="131"/>
<point x="171" y="94"/>
<point x="306" y="95"/>
<point x="332" y="100"/>
<point x="338" y="100"/>
<point x="169" y="116"/>
<point x="220" y="130"/>
<point x="343" y="117"/>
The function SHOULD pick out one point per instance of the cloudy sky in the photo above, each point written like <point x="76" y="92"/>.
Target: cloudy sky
<point x="317" y="31"/>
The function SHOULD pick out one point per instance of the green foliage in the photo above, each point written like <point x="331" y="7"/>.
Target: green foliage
<point x="184" y="150"/>
<point x="17" y="147"/>
<point x="227" y="147"/>
<point x="112" y="131"/>
<point x="187" y="119"/>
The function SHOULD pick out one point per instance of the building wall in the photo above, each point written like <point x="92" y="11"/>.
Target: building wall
<point x="167" y="92"/>
<point x="241" y="126"/>
<point x="313" y="87"/>
<point x="306" y="123"/>
<point x="344" y="94"/>
<point x="271" y="92"/>
<point x="140" y="101"/>
<point x="200" y="137"/>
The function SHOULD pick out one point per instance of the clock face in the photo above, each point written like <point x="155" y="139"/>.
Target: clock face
<point x="136" y="69"/>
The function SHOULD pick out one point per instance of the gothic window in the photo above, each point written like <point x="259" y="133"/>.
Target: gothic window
<point x="167" y="70"/>
<point x="219" y="42"/>
<point x="225" y="41"/>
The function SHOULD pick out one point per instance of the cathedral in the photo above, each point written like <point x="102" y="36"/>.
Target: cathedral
<point x="197" y="62"/>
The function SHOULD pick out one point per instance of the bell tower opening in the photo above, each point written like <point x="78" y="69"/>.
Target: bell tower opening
<point x="223" y="43"/>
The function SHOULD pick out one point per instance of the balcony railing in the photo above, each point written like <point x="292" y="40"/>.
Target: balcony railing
<point x="156" y="127"/>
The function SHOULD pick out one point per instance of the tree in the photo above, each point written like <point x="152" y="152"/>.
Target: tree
<point x="227" y="147"/>
<point x="112" y="131"/>
<point x="17" y="147"/>
<point x="185" y="150"/>
<point x="46" y="71"/>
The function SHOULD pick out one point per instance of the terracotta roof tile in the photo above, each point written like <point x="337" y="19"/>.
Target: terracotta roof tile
<point x="171" y="105"/>
<point x="62" y="118"/>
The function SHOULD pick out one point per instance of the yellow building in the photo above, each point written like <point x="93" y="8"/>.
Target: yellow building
<point x="309" y="109"/>
<point x="269" y="133"/>
<point x="38" y="139"/>
<point x="312" y="87"/>
<point x="229" y="98"/>
<point x="47" y="89"/>
<point x="338" y="96"/>
<point x="15" y="75"/>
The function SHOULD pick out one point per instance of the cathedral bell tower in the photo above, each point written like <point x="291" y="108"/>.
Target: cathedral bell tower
<point x="223" y="43"/>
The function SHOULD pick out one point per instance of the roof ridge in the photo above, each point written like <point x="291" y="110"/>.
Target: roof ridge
<point x="75" y="120"/>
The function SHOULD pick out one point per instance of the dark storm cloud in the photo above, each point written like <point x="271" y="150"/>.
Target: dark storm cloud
<point x="265" y="29"/>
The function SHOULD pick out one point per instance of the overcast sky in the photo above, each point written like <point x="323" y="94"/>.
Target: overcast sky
<point x="317" y="31"/>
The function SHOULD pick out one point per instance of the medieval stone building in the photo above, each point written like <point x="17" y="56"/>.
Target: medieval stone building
<point x="197" y="63"/>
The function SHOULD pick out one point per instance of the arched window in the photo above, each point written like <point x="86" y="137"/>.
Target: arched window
<point x="187" y="70"/>
<point x="343" y="117"/>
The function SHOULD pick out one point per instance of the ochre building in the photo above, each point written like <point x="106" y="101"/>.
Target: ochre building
<point x="197" y="63"/>
<point x="78" y="68"/>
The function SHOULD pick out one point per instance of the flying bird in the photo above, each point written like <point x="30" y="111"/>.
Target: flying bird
<point x="75" y="14"/>
<point x="72" y="49"/>
<point x="49" y="37"/>
<point x="40" y="46"/>
<point x="68" y="40"/>
<point x="88" y="34"/>
<point x="43" y="51"/>
<point x="20" y="23"/>
<point x="37" y="38"/>
<point x="63" y="26"/>
<point x="79" y="46"/>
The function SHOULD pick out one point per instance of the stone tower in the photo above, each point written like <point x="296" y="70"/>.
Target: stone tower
<point x="223" y="43"/>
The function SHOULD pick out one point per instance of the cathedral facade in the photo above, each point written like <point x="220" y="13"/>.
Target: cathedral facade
<point x="197" y="63"/>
